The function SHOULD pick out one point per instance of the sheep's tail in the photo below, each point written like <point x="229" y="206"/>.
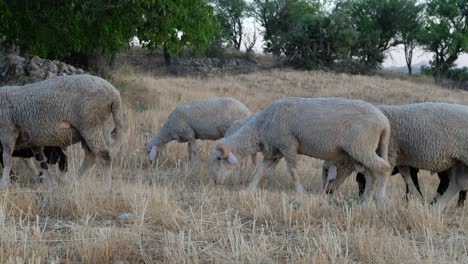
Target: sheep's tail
<point x="117" y="133"/>
<point x="384" y="143"/>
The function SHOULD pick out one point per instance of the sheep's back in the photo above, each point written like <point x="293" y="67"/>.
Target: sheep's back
<point x="210" y="119"/>
<point x="429" y="136"/>
<point x="321" y="127"/>
<point x="41" y="108"/>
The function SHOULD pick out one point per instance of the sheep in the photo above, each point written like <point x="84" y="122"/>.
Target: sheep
<point x="207" y="119"/>
<point x="236" y="126"/>
<point x="325" y="128"/>
<point x="61" y="112"/>
<point x="427" y="136"/>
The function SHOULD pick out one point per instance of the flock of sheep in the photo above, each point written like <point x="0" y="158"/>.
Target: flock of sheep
<point x="40" y="120"/>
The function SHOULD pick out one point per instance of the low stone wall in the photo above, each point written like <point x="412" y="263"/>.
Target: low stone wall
<point x="16" y="70"/>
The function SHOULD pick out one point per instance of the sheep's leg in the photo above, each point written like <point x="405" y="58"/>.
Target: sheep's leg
<point x="451" y="190"/>
<point x="254" y="158"/>
<point x="369" y="188"/>
<point x="259" y="171"/>
<point x="414" y="176"/>
<point x="444" y="179"/>
<point x="411" y="189"/>
<point x="189" y="151"/>
<point x="88" y="162"/>
<point x="461" y="198"/>
<point x="96" y="141"/>
<point x="7" y="156"/>
<point x="44" y="173"/>
<point x="361" y="181"/>
<point x="292" y="167"/>
<point x="290" y="156"/>
<point x="382" y="179"/>
<point x="378" y="169"/>
<point x="193" y="149"/>
<point x="32" y="167"/>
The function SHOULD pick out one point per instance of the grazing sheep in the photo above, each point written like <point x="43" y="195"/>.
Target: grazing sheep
<point x="427" y="136"/>
<point x="324" y="128"/>
<point x="207" y="119"/>
<point x="60" y="112"/>
<point x="236" y="126"/>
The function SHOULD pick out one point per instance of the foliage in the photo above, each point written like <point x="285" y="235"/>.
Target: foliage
<point x="410" y="28"/>
<point x="177" y="23"/>
<point x="377" y="22"/>
<point x="458" y="76"/>
<point x="311" y="35"/>
<point x="58" y="29"/>
<point x="279" y="18"/>
<point x="230" y="15"/>
<point x="445" y="33"/>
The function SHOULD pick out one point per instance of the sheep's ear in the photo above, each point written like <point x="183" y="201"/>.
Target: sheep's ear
<point x="218" y="153"/>
<point x="232" y="158"/>
<point x="331" y="173"/>
<point x="153" y="152"/>
<point x="224" y="152"/>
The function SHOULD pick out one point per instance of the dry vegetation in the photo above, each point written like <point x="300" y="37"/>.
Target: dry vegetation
<point x="177" y="215"/>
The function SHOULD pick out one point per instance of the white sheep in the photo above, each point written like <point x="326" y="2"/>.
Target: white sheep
<point x="427" y="136"/>
<point x="61" y="112"/>
<point x="324" y="128"/>
<point x="207" y="119"/>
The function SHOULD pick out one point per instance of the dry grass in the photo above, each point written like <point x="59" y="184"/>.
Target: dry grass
<point x="178" y="215"/>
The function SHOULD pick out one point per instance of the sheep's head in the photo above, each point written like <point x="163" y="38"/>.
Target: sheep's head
<point x="154" y="150"/>
<point x="222" y="162"/>
<point x="333" y="175"/>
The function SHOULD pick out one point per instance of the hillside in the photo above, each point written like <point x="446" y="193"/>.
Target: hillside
<point x="177" y="215"/>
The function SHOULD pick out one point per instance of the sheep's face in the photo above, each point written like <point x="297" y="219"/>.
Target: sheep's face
<point x="154" y="150"/>
<point x="334" y="174"/>
<point x="221" y="165"/>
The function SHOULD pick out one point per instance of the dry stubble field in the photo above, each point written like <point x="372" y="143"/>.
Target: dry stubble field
<point x="177" y="215"/>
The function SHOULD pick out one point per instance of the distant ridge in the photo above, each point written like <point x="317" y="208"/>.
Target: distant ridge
<point x="403" y="69"/>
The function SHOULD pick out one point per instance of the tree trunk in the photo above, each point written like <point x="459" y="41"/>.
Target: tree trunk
<point x="112" y="61"/>
<point x="167" y="56"/>
<point x="409" y="47"/>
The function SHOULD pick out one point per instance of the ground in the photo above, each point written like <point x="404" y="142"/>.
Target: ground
<point x="177" y="215"/>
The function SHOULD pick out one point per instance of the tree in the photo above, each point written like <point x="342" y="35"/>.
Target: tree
<point x="409" y="29"/>
<point x="377" y="23"/>
<point x="230" y="14"/>
<point x="278" y="18"/>
<point x="80" y="29"/>
<point x="175" y="24"/>
<point x="445" y="33"/>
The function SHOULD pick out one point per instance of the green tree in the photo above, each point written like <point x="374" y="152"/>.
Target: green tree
<point x="445" y="33"/>
<point x="230" y="14"/>
<point x="377" y="22"/>
<point x="80" y="29"/>
<point x="177" y="23"/>
<point x="279" y="18"/>
<point x="410" y="28"/>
